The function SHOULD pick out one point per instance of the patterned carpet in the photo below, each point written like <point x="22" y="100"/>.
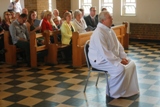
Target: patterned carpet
<point x="62" y="85"/>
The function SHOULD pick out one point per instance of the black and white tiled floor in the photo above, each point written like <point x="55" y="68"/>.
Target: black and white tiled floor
<point x="62" y="85"/>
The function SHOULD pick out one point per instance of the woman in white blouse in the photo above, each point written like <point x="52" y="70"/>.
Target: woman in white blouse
<point x="79" y="23"/>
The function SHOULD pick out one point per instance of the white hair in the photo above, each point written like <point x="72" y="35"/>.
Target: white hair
<point x="102" y="15"/>
<point x="77" y="12"/>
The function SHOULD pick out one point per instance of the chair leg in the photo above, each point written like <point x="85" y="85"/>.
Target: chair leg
<point x="97" y="78"/>
<point x="87" y="81"/>
<point x="106" y="74"/>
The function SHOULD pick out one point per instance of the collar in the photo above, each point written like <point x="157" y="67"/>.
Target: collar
<point x="103" y="26"/>
<point x="92" y="17"/>
<point x="18" y="22"/>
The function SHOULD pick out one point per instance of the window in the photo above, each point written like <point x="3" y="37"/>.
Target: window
<point x="128" y="8"/>
<point x="50" y="5"/>
<point x="86" y="4"/>
<point x="108" y="4"/>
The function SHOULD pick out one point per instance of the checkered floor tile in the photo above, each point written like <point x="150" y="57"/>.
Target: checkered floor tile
<point x="62" y="85"/>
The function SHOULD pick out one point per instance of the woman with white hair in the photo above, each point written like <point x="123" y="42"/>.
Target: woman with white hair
<point x="79" y="23"/>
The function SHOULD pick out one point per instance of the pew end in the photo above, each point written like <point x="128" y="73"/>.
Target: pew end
<point x="78" y="42"/>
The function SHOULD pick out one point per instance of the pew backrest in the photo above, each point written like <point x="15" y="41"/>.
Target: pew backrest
<point x="78" y="42"/>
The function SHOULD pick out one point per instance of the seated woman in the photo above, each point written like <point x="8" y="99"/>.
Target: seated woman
<point x="13" y="15"/>
<point x="30" y="22"/>
<point x="66" y="34"/>
<point x="79" y="23"/>
<point x="30" y="25"/>
<point x="6" y="20"/>
<point x="47" y="23"/>
<point x="67" y="28"/>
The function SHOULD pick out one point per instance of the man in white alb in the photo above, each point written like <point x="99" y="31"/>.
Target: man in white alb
<point x="15" y="6"/>
<point x="106" y="53"/>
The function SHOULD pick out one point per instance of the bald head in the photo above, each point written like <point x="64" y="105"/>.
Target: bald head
<point x="25" y="11"/>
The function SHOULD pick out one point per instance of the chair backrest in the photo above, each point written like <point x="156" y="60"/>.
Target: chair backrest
<point x="86" y="47"/>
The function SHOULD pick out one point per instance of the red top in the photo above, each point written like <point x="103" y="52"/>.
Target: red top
<point x="46" y="25"/>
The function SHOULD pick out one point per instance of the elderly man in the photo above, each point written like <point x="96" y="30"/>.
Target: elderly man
<point x="106" y="53"/>
<point x="25" y="11"/>
<point x="92" y="19"/>
<point x="15" y="6"/>
<point x="56" y="14"/>
<point x="20" y="35"/>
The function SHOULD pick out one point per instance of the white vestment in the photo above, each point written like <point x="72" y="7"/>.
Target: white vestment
<point x="106" y="53"/>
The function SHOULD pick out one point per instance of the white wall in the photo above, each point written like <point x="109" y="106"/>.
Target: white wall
<point x="147" y="11"/>
<point x="3" y="5"/>
<point x="75" y="4"/>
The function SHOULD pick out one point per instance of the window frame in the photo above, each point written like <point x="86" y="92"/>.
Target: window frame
<point x="86" y="6"/>
<point x="125" y="4"/>
<point x="107" y="5"/>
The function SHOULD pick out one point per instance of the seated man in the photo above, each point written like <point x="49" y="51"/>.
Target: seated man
<point x="106" y="53"/>
<point x="56" y="15"/>
<point x="92" y="19"/>
<point x="25" y="11"/>
<point x="20" y="35"/>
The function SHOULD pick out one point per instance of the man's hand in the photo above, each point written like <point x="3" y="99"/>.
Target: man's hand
<point x="124" y="61"/>
<point x="22" y="39"/>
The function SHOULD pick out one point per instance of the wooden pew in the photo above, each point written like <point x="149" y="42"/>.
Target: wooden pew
<point x="78" y="41"/>
<point x="53" y="48"/>
<point x="126" y="37"/>
<point x="34" y="48"/>
<point x="11" y="50"/>
<point x="121" y="34"/>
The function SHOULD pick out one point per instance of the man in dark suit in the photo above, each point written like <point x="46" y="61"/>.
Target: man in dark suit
<point x="92" y="19"/>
